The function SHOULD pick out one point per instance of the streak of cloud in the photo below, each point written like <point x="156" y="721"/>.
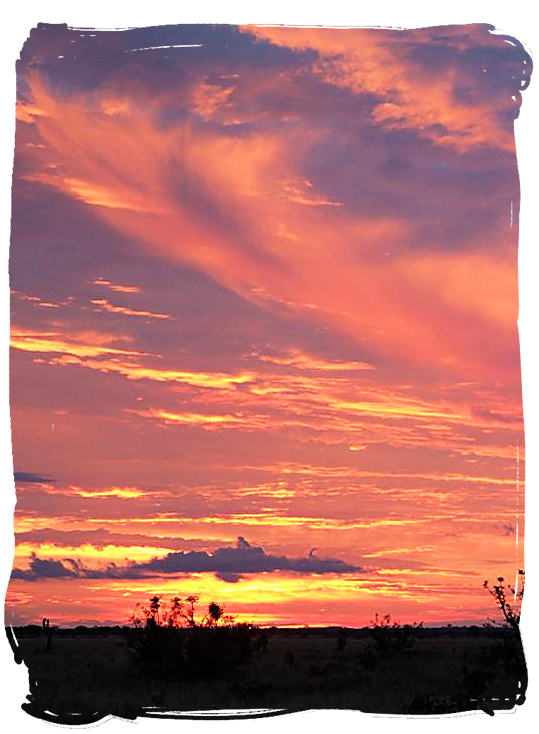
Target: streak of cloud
<point x="228" y="563"/>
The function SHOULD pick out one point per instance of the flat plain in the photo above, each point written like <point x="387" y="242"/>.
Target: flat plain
<point x="89" y="673"/>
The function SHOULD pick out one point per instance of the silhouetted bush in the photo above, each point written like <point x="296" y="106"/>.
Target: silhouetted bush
<point x="510" y="651"/>
<point x="211" y="652"/>
<point x="158" y="651"/>
<point x="511" y="613"/>
<point x="169" y="641"/>
<point x="391" y="639"/>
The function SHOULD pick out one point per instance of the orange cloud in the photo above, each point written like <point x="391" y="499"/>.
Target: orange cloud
<point x="415" y="411"/>
<point x="88" y="553"/>
<point x="120" y="492"/>
<point x="364" y="61"/>
<point x="206" y="420"/>
<point x="116" y="287"/>
<point x="87" y="344"/>
<point x="297" y="358"/>
<point x="104" y="305"/>
<point x="137" y="371"/>
<point x="27" y="112"/>
<point x="207" y="99"/>
<point x="267" y="246"/>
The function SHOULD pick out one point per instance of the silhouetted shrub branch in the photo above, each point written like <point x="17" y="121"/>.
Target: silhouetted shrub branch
<point x="510" y="612"/>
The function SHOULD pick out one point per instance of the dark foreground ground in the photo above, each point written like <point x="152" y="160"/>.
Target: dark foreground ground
<point x="90" y="673"/>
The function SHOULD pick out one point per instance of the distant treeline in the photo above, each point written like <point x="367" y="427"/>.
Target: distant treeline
<point x="34" y="630"/>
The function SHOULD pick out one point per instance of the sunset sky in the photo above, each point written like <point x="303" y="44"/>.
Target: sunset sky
<point x="264" y="306"/>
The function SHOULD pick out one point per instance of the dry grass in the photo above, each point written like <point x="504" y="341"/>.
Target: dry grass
<point x="97" y="674"/>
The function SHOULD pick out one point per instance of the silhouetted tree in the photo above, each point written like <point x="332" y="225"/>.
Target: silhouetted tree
<point x="511" y="651"/>
<point x="192" y="600"/>
<point x="135" y="618"/>
<point x="176" y="611"/>
<point x="152" y="612"/>
<point x="215" y="613"/>
<point x="511" y="614"/>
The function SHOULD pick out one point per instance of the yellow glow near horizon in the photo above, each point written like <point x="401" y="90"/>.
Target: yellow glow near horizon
<point x="86" y="552"/>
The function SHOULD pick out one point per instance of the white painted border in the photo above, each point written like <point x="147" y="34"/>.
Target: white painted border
<point x="515" y="19"/>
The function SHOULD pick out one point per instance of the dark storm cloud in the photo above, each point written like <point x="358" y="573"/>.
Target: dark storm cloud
<point x="26" y="477"/>
<point x="229" y="564"/>
<point x="41" y="568"/>
<point x="83" y="60"/>
<point x="484" y="70"/>
<point x="244" y="558"/>
<point x="230" y="578"/>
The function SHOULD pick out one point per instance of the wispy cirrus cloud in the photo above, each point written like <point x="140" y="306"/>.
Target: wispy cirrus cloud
<point x="89" y="344"/>
<point x="348" y="285"/>
<point x="103" y="282"/>
<point x="103" y="305"/>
